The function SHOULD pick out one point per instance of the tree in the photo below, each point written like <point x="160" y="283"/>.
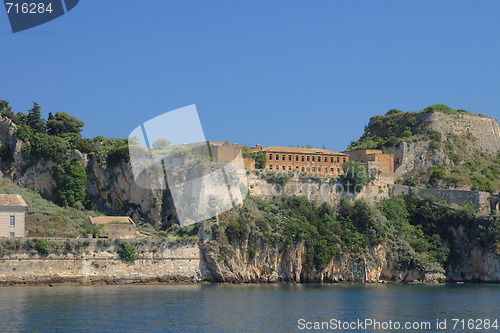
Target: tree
<point x="34" y="118"/>
<point x="70" y="180"/>
<point x="6" y="110"/>
<point x="63" y="123"/>
<point x="161" y="144"/>
<point x="354" y="177"/>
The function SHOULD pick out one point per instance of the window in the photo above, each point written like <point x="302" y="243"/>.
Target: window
<point x="289" y="168"/>
<point x="297" y="168"/>
<point x="338" y="170"/>
<point x="343" y="160"/>
<point x="270" y="157"/>
<point x="314" y="169"/>
<point x="319" y="169"/>
<point x="12" y="234"/>
<point x="302" y="169"/>
<point x="283" y="157"/>
<point x="338" y="159"/>
<point x="12" y="221"/>
<point x="277" y="157"/>
<point x="296" y="158"/>
<point x="283" y="167"/>
<point x="326" y="159"/>
<point x="307" y="158"/>
<point x="331" y="159"/>
<point x="270" y="167"/>
<point x="302" y="158"/>
<point x="326" y="170"/>
<point x="331" y="170"/>
<point x="313" y="158"/>
<point x="289" y="157"/>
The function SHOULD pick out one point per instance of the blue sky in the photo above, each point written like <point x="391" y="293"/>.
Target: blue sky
<point x="268" y="72"/>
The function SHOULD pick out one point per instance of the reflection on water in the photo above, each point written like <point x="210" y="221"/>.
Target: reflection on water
<point x="234" y="308"/>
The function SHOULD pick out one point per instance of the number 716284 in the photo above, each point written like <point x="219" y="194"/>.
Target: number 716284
<point x="28" y="8"/>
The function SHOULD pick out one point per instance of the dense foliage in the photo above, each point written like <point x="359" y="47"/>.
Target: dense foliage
<point x="415" y="231"/>
<point x="127" y="252"/>
<point x="354" y="177"/>
<point x="398" y="126"/>
<point x="277" y="178"/>
<point x="259" y="157"/>
<point x="70" y="178"/>
<point x="55" y="138"/>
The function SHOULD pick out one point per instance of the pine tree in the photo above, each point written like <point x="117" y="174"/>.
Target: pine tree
<point x="34" y="118"/>
<point x="63" y="123"/>
<point x="6" y="110"/>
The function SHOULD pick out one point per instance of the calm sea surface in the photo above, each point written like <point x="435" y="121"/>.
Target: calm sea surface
<point x="245" y="308"/>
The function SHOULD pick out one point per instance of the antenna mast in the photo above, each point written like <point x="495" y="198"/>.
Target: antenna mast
<point x="469" y="100"/>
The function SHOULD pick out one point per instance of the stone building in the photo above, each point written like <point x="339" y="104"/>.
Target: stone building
<point x="113" y="226"/>
<point x="320" y="162"/>
<point x="374" y="158"/>
<point x="12" y="213"/>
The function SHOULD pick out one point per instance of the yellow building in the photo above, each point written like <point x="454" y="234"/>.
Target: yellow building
<point x="374" y="157"/>
<point x="12" y="215"/>
<point x="320" y="162"/>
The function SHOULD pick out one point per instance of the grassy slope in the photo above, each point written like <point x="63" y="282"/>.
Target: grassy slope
<point x="46" y="219"/>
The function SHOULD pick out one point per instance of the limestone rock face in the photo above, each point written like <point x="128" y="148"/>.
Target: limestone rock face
<point x="476" y="264"/>
<point x="416" y="156"/>
<point x="288" y="264"/>
<point x="472" y="132"/>
<point x="115" y="188"/>
<point x="39" y="178"/>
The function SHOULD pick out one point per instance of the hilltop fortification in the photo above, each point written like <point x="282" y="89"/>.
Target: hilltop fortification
<point x="438" y="147"/>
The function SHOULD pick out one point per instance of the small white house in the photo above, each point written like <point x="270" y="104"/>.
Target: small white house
<point x="12" y="212"/>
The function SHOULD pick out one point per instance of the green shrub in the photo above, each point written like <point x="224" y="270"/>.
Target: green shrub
<point x="41" y="246"/>
<point x="482" y="183"/>
<point x="278" y="178"/>
<point x="393" y="111"/>
<point x="407" y="180"/>
<point x="117" y="155"/>
<point x="439" y="107"/>
<point x="94" y="230"/>
<point x="434" y="135"/>
<point x="259" y="158"/>
<point x="6" y="154"/>
<point x="354" y="177"/>
<point x="127" y="252"/>
<point x="436" y="175"/>
<point x="251" y="252"/>
<point x="237" y="230"/>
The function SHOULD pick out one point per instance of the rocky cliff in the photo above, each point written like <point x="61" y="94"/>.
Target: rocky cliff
<point x="282" y="264"/>
<point x="475" y="260"/>
<point x="111" y="187"/>
<point x="255" y="260"/>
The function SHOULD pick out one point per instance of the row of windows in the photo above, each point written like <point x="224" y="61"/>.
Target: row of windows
<point x="306" y="158"/>
<point x="304" y="169"/>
